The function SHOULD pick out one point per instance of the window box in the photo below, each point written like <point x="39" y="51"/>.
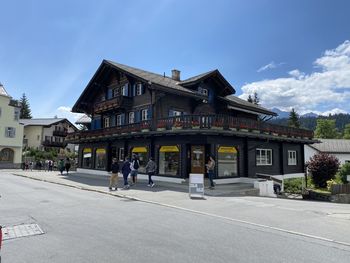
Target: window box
<point x="195" y="125"/>
<point x="177" y="125"/>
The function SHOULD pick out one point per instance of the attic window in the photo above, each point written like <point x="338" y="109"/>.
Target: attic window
<point x="203" y="91"/>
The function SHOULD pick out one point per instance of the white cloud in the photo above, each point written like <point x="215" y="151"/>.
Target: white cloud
<point x="327" y="87"/>
<point x="65" y="112"/>
<point x="333" y="111"/>
<point x="271" y="65"/>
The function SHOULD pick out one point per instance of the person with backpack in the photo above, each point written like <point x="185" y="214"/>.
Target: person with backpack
<point x="135" y="164"/>
<point x="126" y="171"/>
<point x="114" y="177"/>
<point x="151" y="168"/>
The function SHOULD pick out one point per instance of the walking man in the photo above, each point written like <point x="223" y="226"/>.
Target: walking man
<point x="135" y="164"/>
<point x="151" y="168"/>
<point x="126" y="171"/>
<point x="67" y="165"/>
<point x="114" y="177"/>
<point x="210" y="169"/>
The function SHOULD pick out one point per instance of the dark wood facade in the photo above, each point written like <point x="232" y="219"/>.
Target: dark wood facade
<point x="181" y="123"/>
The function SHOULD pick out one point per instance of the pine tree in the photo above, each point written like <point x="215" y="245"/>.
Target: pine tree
<point x="25" y="110"/>
<point x="326" y="129"/>
<point x="347" y="131"/>
<point x="250" y="99"/>
<point x="293" y="120"/>
<point x="256" y="99"/>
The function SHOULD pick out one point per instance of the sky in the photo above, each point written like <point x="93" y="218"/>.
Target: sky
<point x="293" y="53"/>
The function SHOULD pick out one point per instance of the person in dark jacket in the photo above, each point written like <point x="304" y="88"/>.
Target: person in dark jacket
<point x="126" y="171"/>
<point x="67" y="165"/>
<point x="113" y="182"/>
<point x="151" y="168"/>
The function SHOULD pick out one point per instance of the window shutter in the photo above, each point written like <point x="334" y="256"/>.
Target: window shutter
<point x="133" y="90"/>
<point x="149" y="113"/>
<point x="112" y="120"/>
<point x="137" y="116"/>
<point x="122" y="118"/>
<point x="143" y="88"/>
<point x="98" y="123"/>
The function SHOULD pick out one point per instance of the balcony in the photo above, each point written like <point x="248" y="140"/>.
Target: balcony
<point x="197" y="124"/>
<point x="117" y="102"/>
<point x="48" y="143"/>
<point x="60" y="133"/>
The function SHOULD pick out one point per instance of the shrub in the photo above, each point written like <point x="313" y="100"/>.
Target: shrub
<point x="344" y="171"/>
<point x="293" y="185"/>
<point x="323" y="168"/>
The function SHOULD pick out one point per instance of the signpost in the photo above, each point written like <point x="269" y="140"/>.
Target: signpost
<point x="196" y="185"/>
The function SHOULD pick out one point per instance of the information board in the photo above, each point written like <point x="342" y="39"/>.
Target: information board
<point x="196" y="185"/>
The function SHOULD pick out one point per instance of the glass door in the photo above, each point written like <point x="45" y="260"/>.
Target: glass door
<point x="198" y="159"/>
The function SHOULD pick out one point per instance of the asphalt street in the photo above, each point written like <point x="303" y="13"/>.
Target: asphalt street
<point x="86" y="226"/>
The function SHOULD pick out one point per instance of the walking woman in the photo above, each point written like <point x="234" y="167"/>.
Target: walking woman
<point x="151" y="168"/>
<point x="210" y="169"/>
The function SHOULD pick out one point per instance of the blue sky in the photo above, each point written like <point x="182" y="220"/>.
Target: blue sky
<point x="293" y="53"/>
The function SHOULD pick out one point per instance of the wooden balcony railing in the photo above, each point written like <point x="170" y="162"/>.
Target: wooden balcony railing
<point x="197" y="123"/>
<point x="117" y="102"/>
<point x="49" y="143"/>
<point x="60" y="133"/>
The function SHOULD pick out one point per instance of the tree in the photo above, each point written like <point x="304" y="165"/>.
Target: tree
<point x="326" y="129"/>
<point x="323" y="167"/>
<point x="293" y="120"/>
<point x="25" y="110"/>
<point x="256" y="99"/>
<point x="250" y="99"/>
<point x="347" y="131"/>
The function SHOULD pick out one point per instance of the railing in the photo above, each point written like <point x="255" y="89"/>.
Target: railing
<point x="60" y="133"/>
<point x="119" y="101"/>
<point x="196" y="123"/>
<point x="48" y="143"/>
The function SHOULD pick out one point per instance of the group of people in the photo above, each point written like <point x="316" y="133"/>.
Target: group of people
<point x="48" y="165"/>
<point x="130" y="167"/>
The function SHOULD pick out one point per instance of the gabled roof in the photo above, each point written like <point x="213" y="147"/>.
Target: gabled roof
<point x="237" y="102"/>
<point x="83" y="120"/>
<point x="332" y="146"/>
<point x="44" y="122"/>
<point x="3" y="92"/>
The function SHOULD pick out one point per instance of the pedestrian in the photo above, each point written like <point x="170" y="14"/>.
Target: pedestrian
<point x="67" y="165"/>
<point x="114" y="177"/>
<point x="50" y="165"/>
<point x="38" y="165"/>
<point x="210" y="169"/>
<point x="134" y="166"/>
<point x="151" y="168"/>
<point x="126" y="171"/>
<point x="31" y="166"/>
<point x="61" y="166"/>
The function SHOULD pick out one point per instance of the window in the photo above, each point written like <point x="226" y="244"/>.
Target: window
<point x="144" y="115"/>
<point x="227" y="161"/>
<point x="177" y="113"/>
<point x="100" y="159"/>
<point x="10" y="132"/>
<point x="17" y="112"/>
<point x="106" y="122"/>
<point x="142" y="155"/>
<point x="121" y="154"/>
<point x="169" y="160"/>
<point x="125" y="90"/>
<point x="87" y="158"/>
<point x="119" y="120"/>
<point x="292" y="158"/>
<point x="7" y="155"/>
<point x="263" y="157"/>
<point x="115" y="92"/>
<point x="131" y="117"/>
<point x="139" y="89"/>
<point x="205" y="92"/>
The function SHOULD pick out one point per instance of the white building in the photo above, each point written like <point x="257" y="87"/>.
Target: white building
<point x="11" y="131"/>
<point x="339" y="148"/>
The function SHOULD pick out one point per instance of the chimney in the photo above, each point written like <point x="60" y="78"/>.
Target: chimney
<point x="175" y="74"/>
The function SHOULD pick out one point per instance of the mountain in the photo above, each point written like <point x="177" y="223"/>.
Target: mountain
<point x="309" y="115"/>
<point x="281" y="114"/>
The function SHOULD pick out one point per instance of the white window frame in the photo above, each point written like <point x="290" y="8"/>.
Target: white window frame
<point x="177" y="113"/>
<point x="205" y="92"/>
<point x="16" y="115"/>
<point x="106" y="122"/>
<point x="144" y="115"/>
<point x="139" y="89"/>
<point x="131" y="117"/>
<point x="121" y="154"/>
<point x="119" y="120"/>
<point x="10" y="132"/>
<point x="262" y="159"/>
<point x="292" y="157"/>
<point x="125" y="89"/>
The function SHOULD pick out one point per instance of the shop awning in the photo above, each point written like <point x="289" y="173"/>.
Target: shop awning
<point x="101" y="151"/>
<point x="87" y="150"/>
<point x="225" y="149"/>
<point x="166" y="149"/>
<point x="139" y="150"/>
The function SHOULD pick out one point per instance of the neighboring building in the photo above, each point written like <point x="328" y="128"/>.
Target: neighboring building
<point x="47" y="133"/>
<point x="11" y="131"/>
<point x="180" y="123"/>
<point x="339" y="148"/>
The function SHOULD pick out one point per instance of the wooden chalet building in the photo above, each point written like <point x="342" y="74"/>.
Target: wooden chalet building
<point x="180" y="123"/>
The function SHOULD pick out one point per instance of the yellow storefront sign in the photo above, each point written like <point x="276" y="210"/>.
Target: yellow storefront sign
<point x="87" y="150"/>
<point x="139" y="150"/>
<point x="165" y="149"/>
<point x="101" y="151"/>
<point x="223" y="149"/>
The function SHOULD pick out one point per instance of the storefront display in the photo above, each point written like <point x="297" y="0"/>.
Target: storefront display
<point x="142" y="154"/>
<point x="227" y="161"/>
<point x="100" y="159"/>
<point x="87" y="158"/>
<point x="169" y="159"/>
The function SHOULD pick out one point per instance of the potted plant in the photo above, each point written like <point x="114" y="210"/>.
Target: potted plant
<point x="177" y="125"/>
<point x="195" y="124"/>
<point x="218" y="125"/>
<point x="145" y="126"/>
<point x="161" y="125"/>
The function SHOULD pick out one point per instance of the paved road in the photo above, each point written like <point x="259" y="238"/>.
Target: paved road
<point x="85" y="226"/>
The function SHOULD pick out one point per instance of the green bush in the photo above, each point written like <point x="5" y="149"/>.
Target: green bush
<point x="343" y="172"/>
<point x="293" y="185"/>
<point x="323" y="168"/>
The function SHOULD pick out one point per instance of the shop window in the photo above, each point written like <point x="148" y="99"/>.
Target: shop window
<point x="292" y="158"/>
<point x="100" y="159"/>
<point x="263" y="157"/>
<point x="142" y="155"/>
<point x="227" y="161"/>
<point x="169" y="160"/>
<point x="87" y="158"/>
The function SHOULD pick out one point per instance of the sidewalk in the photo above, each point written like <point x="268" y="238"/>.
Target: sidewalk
<point x="296" y="217"/>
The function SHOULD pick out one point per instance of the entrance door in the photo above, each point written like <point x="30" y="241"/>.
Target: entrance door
<point x="198" y="159"/>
